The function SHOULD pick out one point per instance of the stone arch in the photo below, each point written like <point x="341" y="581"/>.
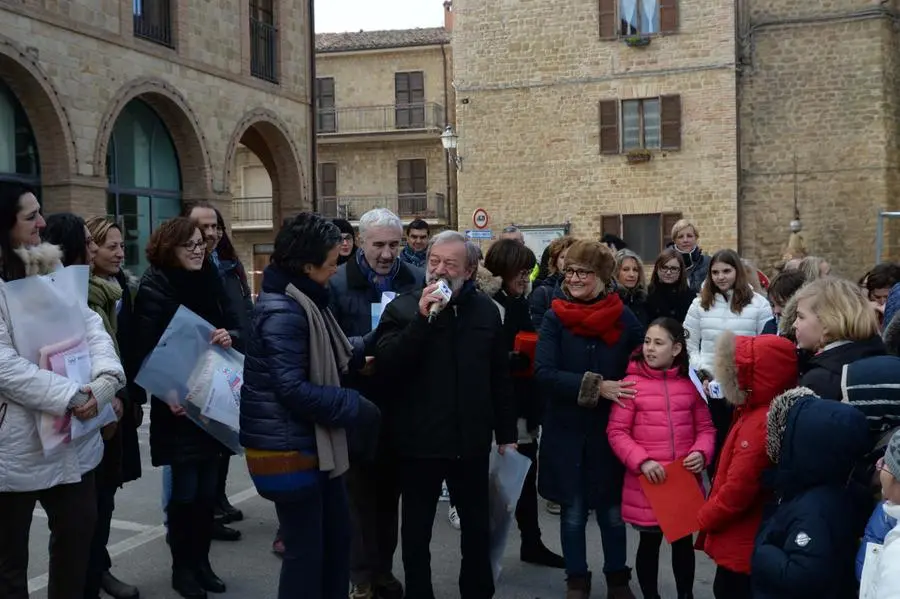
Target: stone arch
<point x="268" y="136"/>
<point x="45" y="111"/>
<point x="182" y="124"/>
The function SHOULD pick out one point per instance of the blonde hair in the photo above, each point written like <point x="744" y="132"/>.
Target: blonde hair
<point x="626" y="254"/>
<point x="681" y="226"/>
<point x="841" y="308"/>
<point x="99" y="227"/>
<point x="595" y="255"/>
<point x="811" y="267"/>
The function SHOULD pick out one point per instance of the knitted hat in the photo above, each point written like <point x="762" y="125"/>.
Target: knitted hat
<point x="892" y="456"/>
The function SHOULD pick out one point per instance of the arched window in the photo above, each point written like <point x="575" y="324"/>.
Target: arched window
<point x="144" y="178"/>
<point x="19" y="159"/>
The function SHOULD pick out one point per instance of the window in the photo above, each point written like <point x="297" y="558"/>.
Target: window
<point x="327" y="117"/>
<point x="412" y="187"/>
<point x="19" y="159"/>
<point x="646" y="234"/>
<point x="650" y="123"/>
<point x="637" y="17"/>
<point x="409" y="100"/>
<point x="153" y="21"/>
<point x="328" y="189"/>
<point x="263" y="40"/>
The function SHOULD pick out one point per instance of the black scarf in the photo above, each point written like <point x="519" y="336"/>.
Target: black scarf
<point x="200" y="291"/>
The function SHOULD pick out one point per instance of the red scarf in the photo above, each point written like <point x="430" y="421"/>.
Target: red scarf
<point x="599" y="319"/>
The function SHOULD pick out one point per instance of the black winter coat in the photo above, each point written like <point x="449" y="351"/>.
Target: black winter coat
<point x="541" y="296"/>
<point x="238" y="294"/>
<point x="823" y="370"/>
<point x="175" y="439"/>
<point x="529" y="404"/>
<point x="132" y="395"/>
<point x="279" y="405"/>
<point x="637" y="303"/>
<point x="453" y="386"/>
<point x="667" y="301"/>
<point x="806" y="549"/>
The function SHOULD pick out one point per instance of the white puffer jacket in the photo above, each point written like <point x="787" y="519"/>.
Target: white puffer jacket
<point x="26" y="390"/>
<point x="705" y="326"/>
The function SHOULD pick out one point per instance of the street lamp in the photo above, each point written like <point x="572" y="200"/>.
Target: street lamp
<point x="449" y="139"/>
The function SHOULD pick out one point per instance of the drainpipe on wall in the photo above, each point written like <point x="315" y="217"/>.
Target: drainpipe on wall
<point x="449" y="203"/>
<point x="313" y="113"/>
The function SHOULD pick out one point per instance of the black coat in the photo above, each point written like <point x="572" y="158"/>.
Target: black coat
<point x="823" y="370"/>
<point x="806" y="549"/>
<point x="637" y="303"/>
<point x="529" y="404"/>
<point x="667" y="301"/>
<point x="541" y="296"/>
<point x="132" y="395"/>
<point x="452" y="388"/>
<point x="238" y="294"/>
<point x="175" y="439"/>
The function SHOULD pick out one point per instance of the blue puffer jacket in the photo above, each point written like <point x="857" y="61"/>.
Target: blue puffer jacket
<point x="879" y="525"/>
<point x="892" y="305"/>
<point x="279" y="406"/>
<point x="806" y="549"/>
<point x="575" y="456"/>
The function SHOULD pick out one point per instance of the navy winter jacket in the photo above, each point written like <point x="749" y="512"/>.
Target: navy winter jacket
<point x="807" y="548"/>
<point x="279" y="405"/>
<point x="575" y="456"/>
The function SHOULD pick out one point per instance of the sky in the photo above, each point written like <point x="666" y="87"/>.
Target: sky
<point x="372" y="15"/>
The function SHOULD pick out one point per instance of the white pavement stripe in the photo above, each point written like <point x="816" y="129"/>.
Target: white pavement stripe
<point x="146" y="534"/>
<point x="117" y="524"/>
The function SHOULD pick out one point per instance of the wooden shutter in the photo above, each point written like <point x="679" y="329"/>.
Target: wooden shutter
<point x="609" y="127"/>
<point x="411" y="176"/>
<point x="327" y="118"/>
<point x="668" y="16"/>
<point x="609" y="23"/>
<point x="611" y="224"/>
<point x="670" y="122"/>
<point x="328" y="179"/>
<point x="668" y="221"/>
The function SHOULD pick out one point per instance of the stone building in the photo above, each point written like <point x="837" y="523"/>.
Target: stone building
<point x="622" y="115"/>
<point x="131" y="107"/>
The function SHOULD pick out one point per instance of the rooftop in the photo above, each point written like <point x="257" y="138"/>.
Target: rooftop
<point x="377" y="40"/>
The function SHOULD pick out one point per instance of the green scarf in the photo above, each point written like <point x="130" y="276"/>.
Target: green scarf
<point x="102" y="298"/>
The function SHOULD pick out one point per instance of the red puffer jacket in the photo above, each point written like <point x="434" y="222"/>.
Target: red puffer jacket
<point x="752" y="372"/>
<point x="665" y="422"/>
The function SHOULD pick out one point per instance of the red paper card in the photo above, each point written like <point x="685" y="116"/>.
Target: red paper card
<point x="676" y="502"/>
<point x="526" y="343"/>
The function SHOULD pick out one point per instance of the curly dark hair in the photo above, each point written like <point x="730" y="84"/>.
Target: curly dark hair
<point x="164" y="241"/>
<point x="305" y="239"/>
<point x="507" y="258"/>
<point x="67" y="231"/>
<point x="11" y="194"/>
<point x="883" y="276"/>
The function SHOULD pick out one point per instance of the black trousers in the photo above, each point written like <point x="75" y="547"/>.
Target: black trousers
<point x="721" y="412"/>
<point x="71" y="513"/>
<point x="467" y="480"/>
<point x="99" y="558"/>
<point x="731" y="585"/>
<point x="527" y="508"/>
<point x="374" y="490"/>
<point x="647" y="564"/>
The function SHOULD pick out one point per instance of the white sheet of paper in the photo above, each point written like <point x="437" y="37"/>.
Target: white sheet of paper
<point x="692" y="374"/>
<point x="868" y="584"/>
<point x="223" y="403"/>
<point x="78" y="366"/>
<point x="81" y="428"/>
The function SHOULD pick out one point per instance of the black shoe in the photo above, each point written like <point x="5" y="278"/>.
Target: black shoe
<point x="538" y="554"/>
<point x="387" y="587"/>
<point x="220" y="532"/>
<point x="117" y="589"/>
<point x="186" y="584"/>
<point x="227" y="513"/>
<point x="208" y="579"/>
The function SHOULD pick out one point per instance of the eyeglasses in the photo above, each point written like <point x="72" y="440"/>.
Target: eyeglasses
<point x="193" y="246"/>
<point x="880" y="467"/>
<point x="578" y="273"/>
<point x="671" y="270"/>
<point x="345" y="237"/>
<point x="523" y="275"/>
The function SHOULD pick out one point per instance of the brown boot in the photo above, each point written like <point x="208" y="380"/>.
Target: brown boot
<point x="617" y="585"/>
<point x="578" y="587"/>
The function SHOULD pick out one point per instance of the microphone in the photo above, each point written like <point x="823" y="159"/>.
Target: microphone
<point x="444" y="292"/>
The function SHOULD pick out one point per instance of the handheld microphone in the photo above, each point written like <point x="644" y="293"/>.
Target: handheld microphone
<point x="444" y="292"/>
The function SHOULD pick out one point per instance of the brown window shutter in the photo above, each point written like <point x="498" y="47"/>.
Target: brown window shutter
<point x="609" y="127"/>
<point x="668" y="221"/>
<point x="670" y="122"/>
<point x="611" y="224"/>
<point x="608" y="22"/>
<point x="668" y="16"/>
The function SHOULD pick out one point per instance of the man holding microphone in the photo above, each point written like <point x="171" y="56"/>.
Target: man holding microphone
<point x="449" y="350"/>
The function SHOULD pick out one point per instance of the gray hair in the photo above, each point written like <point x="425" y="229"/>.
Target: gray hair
<point x="379" y="217"/>
<point x="473" y="252"/>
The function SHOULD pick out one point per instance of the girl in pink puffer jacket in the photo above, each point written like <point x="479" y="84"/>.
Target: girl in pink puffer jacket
<point x="666" y="421"/>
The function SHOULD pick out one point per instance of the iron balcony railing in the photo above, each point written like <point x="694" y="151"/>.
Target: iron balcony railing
<point x="407" y="206"/>
<point x="263" y="50"/>
<point x="153" y="21"/>
<point x="251" y="212"/>
<point x="379" y="119"/>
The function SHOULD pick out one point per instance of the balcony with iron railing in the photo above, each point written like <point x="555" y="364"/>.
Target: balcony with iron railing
<point x="408" y="206"/>
<point x="366" y="121"/>
<point x="263" y="50"/>
<point x="251" y="213"/>
<point x="153" y="21"/>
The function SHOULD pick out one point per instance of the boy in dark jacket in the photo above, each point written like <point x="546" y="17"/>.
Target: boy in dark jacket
<point x="807" y="547"/>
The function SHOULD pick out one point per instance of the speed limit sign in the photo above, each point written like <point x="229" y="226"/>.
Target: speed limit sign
<point x="480" y="218"/>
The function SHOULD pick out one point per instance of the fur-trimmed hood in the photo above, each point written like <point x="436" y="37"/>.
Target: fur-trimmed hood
<point x="486" y="281"/>
<point x="40" y="259"/>
<point x="754" y="370"/>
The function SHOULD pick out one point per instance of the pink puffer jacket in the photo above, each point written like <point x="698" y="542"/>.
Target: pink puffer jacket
<point x="665" y="422"/>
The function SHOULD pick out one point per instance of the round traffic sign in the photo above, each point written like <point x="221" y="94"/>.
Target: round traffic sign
<point x="480" y="218"/>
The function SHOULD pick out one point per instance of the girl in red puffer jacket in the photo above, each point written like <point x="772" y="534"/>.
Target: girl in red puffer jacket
<point x="666" y="421"/>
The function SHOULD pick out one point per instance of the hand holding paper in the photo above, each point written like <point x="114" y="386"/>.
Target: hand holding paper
<point x="654" y="472"/>
<point x="676" y="501"/>
<point x="695" y="462"/>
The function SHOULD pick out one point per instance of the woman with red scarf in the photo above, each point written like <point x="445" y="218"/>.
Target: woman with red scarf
<point x="583" y="349"/>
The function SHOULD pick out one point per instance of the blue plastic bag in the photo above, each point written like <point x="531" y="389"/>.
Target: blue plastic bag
<point x="506" y="476"/>
<point x="187" y="370"/>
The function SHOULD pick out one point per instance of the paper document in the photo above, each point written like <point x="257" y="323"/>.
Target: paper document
<point x="378" y="309"/>
<point x="698" y="384"/>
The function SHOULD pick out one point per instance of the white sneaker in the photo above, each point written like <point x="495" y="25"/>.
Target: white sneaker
<point x="453" y="517"/>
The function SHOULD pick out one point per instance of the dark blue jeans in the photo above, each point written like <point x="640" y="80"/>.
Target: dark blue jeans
<point x="194" y="481"/>
<point x="316" y="535"/>
<point x="572" y="522"/>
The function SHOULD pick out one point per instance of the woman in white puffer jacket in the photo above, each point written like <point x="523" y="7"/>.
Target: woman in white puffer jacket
<point x="62" y="481"/>
<point x="726" y="302"/>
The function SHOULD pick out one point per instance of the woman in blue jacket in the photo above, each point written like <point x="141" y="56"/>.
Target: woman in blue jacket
<point x="584" y="344"/>
<point x="295" y="413"/>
